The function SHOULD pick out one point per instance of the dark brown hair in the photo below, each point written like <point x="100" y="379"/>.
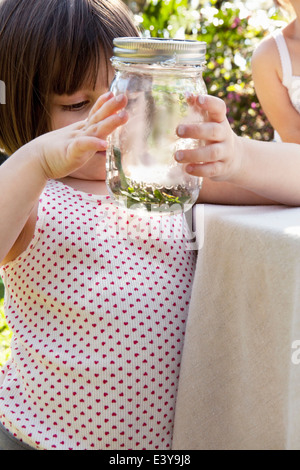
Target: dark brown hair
<point x="51" y="46"/>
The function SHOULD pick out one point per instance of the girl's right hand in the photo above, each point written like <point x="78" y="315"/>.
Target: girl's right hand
<point x="65" y="150"/>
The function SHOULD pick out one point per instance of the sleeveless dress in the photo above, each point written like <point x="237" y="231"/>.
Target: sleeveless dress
<point x="290" y="81"/>
<point x="97" y="304"/>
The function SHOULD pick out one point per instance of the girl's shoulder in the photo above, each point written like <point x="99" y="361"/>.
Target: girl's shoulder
<point x="266" y="58"/>
<point x="266" y="50"/>
<point x="24" y="238"/>
<point x="56" y="192"/>
<point x="27" y="233"/>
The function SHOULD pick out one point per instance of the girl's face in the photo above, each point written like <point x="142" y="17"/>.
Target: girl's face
<point x="68" y="109"/>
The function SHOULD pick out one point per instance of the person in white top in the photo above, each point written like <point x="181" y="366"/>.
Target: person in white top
<point x="276" y="76"/>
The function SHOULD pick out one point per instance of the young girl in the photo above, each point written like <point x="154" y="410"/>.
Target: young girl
<point x="98" y="321"/>
<point x="276" y="75"/>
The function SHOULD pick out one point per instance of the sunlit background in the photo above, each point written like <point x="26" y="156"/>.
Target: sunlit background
<point x="231" y="30"/>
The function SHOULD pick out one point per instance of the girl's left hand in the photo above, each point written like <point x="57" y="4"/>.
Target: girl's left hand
<point x="219" y="159"/>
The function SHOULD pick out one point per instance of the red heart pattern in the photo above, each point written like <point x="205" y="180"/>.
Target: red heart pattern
<point x="98" y="310"/>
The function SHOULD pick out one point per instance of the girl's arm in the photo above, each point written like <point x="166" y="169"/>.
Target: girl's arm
<point x="272" y="95"/>
<point x="52" y="155"/>
<point x="269" y="169"/>
<point x="213" y="192"/>
<point x="22" y="180"/>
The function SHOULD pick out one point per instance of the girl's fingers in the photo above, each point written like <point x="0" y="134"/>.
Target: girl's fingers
<point x="106" y="126"/>
<point x="88" y="145"/>
<point x="208" y="131"/>
<point x="81" y="149"/>
<point x="191" y="99"/>
<point x="215" y="107"/>
<point x="206" y="154"/>
<point x="100" y="102"/>
<point x="109" y="107"/>
<point x="206" y="170"/>
<point x="214" y="159"/>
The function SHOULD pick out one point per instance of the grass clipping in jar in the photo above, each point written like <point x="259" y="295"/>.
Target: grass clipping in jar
<point x="150" y="197"/>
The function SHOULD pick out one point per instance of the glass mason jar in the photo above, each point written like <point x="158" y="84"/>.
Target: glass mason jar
<point x="161" y="79"/>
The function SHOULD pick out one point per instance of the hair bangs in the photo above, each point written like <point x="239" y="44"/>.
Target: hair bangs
<point x="84" y="43"/>
<point x="53" y="46"/>
<point x="75" y="67"/>
<point x="72" y="49"/>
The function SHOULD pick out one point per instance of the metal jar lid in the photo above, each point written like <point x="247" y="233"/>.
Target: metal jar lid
<point x="156" y="50"/>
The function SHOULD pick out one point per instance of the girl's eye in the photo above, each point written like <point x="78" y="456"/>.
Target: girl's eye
<point x="75" y="106"/>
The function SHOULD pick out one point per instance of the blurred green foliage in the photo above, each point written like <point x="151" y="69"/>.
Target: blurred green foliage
<point x="5" y="337"/>
<point x="231" y="36"/>
<point x="1" y="289"/>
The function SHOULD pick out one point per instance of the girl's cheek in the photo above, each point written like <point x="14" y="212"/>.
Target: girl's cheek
<point x="66" y="118"/>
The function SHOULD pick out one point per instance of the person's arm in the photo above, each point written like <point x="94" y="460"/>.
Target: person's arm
<point x="269" y="169"/>
<point x="213" y="192"/>
<point x="22" y="180"/>
<point x="272" y="95"/>
<point x="52" y="155"/>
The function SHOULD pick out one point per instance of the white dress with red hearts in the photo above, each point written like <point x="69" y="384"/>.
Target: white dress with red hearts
<point x="97" y="305"/>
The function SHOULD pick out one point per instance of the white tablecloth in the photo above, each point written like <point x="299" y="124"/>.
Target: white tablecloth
<point x="240" y="378"/>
